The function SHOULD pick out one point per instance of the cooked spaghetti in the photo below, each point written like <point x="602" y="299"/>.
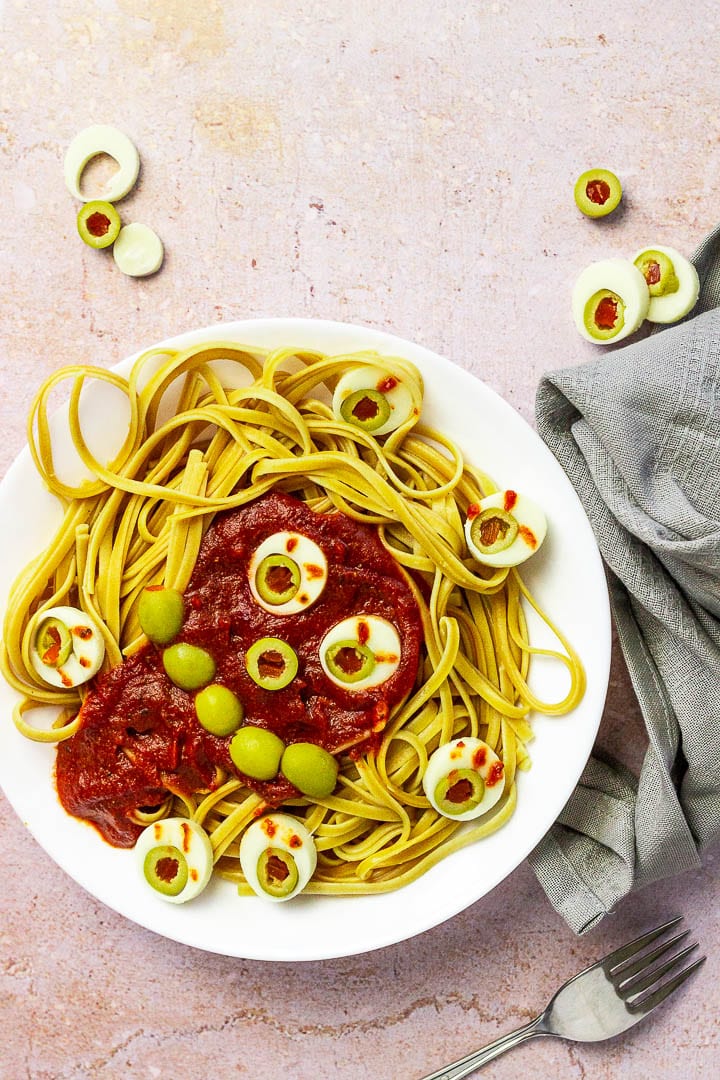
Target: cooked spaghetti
<point x="204" y="438"/>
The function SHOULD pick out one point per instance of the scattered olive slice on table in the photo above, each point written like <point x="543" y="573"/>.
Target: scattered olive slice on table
<point x="160" y="613"/>
<point x="256" y="752"/>
<point x="464" y="778"/>
<point x="610" y="300"/>
<point x="98" y="224"/>
<point x="277" y="856"/>
<point x="672" y="282"/>
<point x="188" y="666"/>
<point x="218" y="709"/>
<point x="175" y="858"/>
<point x="271" y="663"/>
<point x="287" y="573"/>
<point x="597" y="192"/>
<point x="138" y="250"/>
<point x="372" y="399"/>
<point x="504" y="529"/>
<point x="360" y="652"/>
<point x="102" y="139"/>
<point x="67" y="648"/>
<point x="310" y="768"/>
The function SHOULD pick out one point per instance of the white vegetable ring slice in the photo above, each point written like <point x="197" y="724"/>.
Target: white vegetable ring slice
<point x="102" y="139"/>
<point x="671" y="306"/>
<point x="138" y="250"/>
<point x="610" y="300"/>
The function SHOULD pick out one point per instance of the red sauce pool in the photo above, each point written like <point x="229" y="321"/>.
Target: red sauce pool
<point x="139" y="736"/>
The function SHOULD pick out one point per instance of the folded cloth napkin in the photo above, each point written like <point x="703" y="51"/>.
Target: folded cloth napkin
<point x="637" y="431"/>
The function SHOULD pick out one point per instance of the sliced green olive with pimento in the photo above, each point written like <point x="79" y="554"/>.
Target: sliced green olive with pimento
<point x="459" y="791"/>
<point x="271" y="663"/>
<point x="597" y="192"/>
<point x="658" y="270"/>
<point x="366" y="409"/>
<point x="98" y="224"/>
<point x="349" y="661"/>
<point x="53" y="642"/>
<point x="160" y="613"/>
<point x="672" y="281"/>
<point x="277" y="873"/>
<point x="604" y="315"/>
<point x="256" y="752"/>
<point x="277" y="579"/>
<point x="166" y="870"/>
<point x="493" y="529"/>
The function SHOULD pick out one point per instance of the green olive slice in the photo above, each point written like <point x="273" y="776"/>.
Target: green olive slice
<point x="494" y="529"/>
<point x="166" y="870"/>
<point x="277" y="579"/>
<point x="367" y="409"/>
<point x="53" y="642"/>
<point x="271" y="663"/>
<point x="98" y="223"/>
<point x="277" y="872"/>
<point x="597" y="192"/>
<point x="658" y="270"/>
<point x="461" y="790"/>
<point x="604" y="314"/>
<point x="349" y="661"/>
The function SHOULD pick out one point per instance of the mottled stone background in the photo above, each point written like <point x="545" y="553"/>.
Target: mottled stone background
<point x="406" y="166"/>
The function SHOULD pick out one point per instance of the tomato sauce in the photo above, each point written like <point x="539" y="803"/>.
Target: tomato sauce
<point x="139" y="736"/>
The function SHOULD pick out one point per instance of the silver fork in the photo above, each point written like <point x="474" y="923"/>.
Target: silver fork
<point x="602" y="1001"/>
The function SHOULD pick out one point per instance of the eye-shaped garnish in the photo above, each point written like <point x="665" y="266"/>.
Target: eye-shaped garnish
<point x="287" y="573"/>
<point x="67" y="647"/>
<point x="175" y="858"/>
<point x="672" y="280"/>
<point x="271" y="663"/>
<point x="464" y="778"/>
<point x="372" y="399"/>
<point x="504" y="529"/>
<point x="597" y="192"/>
<point x="610" y="299"/>
<point x="277" y="856"/>
<point x="102" y="139"/>
<point x="360" y="652"/>
<point x="98" y="224"/>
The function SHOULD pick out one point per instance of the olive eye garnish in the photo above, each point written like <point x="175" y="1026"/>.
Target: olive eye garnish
<point x="672" y="281"/>
<point x="610" y="300"/>
<point x="287" y="573"/>
<point x="277" y="856"/>
<point x="277" y="579"/>
<point x="175" y="858"/>
<point x="67" y="647"/>
<point x="160" y="613"/>
<point x="504" y="529"/>
<point x="597" y="192"/>
<point x="271" y="663"/>
<point x="464" y="778"/>
<point x="494" y="529"/>
<point x="373" y="399"/>
<point x="360" y="652"/>
<point x="366" y="409"/>
<point x="98" y="224"/>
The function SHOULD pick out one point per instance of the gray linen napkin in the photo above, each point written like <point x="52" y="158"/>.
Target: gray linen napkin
<point x="637" y="430"/>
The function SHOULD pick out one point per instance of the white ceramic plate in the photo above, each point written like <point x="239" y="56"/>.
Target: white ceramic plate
<point x="567" y="577"/>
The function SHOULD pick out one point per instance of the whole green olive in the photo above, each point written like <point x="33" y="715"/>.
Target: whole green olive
<point x="160" y="612"/>
<point x="188" y="666"/>
<point x="311" y="769"/>
<point x="256" y="752"/>
<point x="219" y="710"/>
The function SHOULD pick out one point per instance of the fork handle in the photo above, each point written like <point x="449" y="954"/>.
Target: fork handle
<point x="467" y="1065"/>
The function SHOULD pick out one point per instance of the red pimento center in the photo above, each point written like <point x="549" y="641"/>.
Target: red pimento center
<point x="366" y="409"/>
<point x="597" y="191"/>
<point x="98" y="224"/>
<point x="460" y="792"/>
<point x="167" y="869"/>
<point x="279" y="579"/>
<point x="606" y="313"/>
<point x="276" y="869"/>
<point x="349" y="660"/>
<point x="653" y="273"/>
<point x="491" y="530"/>
<point x="271" y="664"/>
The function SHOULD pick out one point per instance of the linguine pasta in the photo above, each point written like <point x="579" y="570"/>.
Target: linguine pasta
<point x="204" y="438"/>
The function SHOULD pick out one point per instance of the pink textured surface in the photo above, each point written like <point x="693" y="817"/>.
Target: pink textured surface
<point x="403" y="166"/>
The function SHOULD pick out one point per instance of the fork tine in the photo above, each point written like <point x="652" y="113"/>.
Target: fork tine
<point x="645" y="978"/>
<point x="638" y="963"/>
<point x="632" y="947"/>
<point x="645" y="1002"/>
